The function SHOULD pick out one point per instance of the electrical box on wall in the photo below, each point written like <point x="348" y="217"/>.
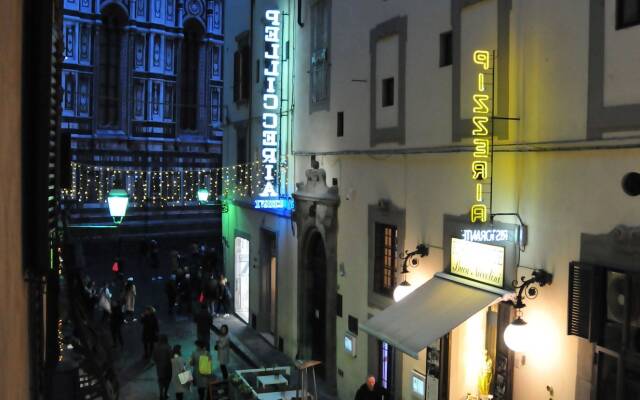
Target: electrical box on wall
<point x="350" y="342"/>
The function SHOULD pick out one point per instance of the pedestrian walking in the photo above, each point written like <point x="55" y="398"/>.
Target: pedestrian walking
<point x="224" y="296"/>
<point x="117" y="319"/>
<point x="171" y="291"/>
<point x="129" y="299"/>
<point x="210" y="291"/>
<point x="178" y="367"/>
<point x="203" y="368"/>
<point x="369" y="390"/>
<point x="104" y="303"/>
<point x="149" y="330"/>
<point x="222" y="346"/>
<point x="162" y="359"/>
<point x="204" y="322"/>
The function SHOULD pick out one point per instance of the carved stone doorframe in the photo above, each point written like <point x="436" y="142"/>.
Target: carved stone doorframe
<point x="316" y="206"/>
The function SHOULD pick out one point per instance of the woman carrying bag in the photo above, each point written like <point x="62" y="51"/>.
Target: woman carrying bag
<point x="182" y="377"/>
<point x="202" y="368"/>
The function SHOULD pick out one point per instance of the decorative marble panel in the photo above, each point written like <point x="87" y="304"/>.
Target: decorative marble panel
<point x="216" y="63"/>
<point x="71" y="5"/>
<point x="171" y="12"/>
<point x="169" y="101"/>
<point x="140" y="10"/>
<point x="139" y="46"/>
<point x="217" y="17"/>
<point x="85" y="44"/>
<point x="139" y="99"/>
<point x="215" y="105"/>
<point x="156" y="50"/>
<point x="69" y="87"/>
<point x="157" y="11"/>
<point x="70" y="42"/>
<point x="169" y="55"/>
<point x="85" y="6"/>
<point x="155" y="100"/>
<point x="84" y="95"/>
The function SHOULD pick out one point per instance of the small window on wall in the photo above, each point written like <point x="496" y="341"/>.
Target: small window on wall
<point x="385" y="251"/>
<point x="446" y="49"/>
<point x="627" y="13"/>
<point x="388" y="85"/>
<point x="386" y="369"/>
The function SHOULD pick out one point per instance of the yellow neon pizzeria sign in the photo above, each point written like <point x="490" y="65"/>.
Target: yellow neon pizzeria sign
<point x="481" y="137"/>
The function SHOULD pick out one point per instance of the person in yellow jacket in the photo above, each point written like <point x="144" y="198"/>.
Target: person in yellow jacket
<point x="202" y="368"/>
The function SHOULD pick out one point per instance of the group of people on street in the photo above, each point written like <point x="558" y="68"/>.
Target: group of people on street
<point x="174" y="370"/>
<point x="196" y="279"/>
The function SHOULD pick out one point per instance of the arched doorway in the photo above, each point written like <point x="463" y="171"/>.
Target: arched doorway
<point x="315" y="318"/>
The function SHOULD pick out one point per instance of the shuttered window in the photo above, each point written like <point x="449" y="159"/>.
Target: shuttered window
<point x="580" y="295"/>
<point x="604" y="307"/>
<point x="242" y="72"/>
<point x="109" y="72"/>
<point x="320" y="41"/>
<point x="190" y="77"/>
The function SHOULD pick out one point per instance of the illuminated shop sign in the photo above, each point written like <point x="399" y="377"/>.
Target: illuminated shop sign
<point x="282" y="203"/>
<point x="485" y="235"/>
<point x="271" y="105"/>
<point x="478" y="261"/>
<point x="481" y="137"/>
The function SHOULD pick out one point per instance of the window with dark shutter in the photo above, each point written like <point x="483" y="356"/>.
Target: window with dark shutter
<point x="189" y="76"/>
<point x="580" y="293"/>
<point x="246" y="72"/>
<point x="242" y="72"/>
<point x="320" y="28"/>
<point x="109" y="69"/>
<point x="236" y="76"/>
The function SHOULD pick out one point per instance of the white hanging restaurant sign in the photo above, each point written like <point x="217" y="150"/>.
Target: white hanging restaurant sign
<point x="478" y="261"/>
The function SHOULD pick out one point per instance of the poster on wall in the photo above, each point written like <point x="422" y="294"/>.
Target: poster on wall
<point x="433" y="370"/>
<point x="502" y="377"/>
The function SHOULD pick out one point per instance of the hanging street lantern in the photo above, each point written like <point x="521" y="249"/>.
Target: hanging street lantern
<point x="118" y="200"/>
<point x="203" y="195"/>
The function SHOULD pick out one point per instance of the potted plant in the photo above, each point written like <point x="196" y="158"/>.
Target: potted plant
<point x="484" y="380"/>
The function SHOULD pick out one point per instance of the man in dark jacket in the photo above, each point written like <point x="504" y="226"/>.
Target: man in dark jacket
<point x="149" y="330"/>
<point x="204" y="321"/>
<point x="162" y="359"/>
<point x="369" y="390"/>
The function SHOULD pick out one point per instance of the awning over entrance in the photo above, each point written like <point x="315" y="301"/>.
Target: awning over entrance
<point x="431" y="311"/>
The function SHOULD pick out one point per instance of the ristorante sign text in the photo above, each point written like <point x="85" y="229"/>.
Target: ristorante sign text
<point x="477" y="261"/>
<point x="271" y="104"/>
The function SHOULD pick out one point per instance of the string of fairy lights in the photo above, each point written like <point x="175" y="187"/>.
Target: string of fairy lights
<point x="167" y="187"/>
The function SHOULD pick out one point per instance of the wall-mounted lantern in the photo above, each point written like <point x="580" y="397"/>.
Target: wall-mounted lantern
<point x="517" y="335"/>
<point x="404" y="288"/>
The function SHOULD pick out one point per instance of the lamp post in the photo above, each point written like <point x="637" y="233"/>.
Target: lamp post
<point x="517" y="335"/>
<point x="118" y="201"/>
<point x="404" y="288"/>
